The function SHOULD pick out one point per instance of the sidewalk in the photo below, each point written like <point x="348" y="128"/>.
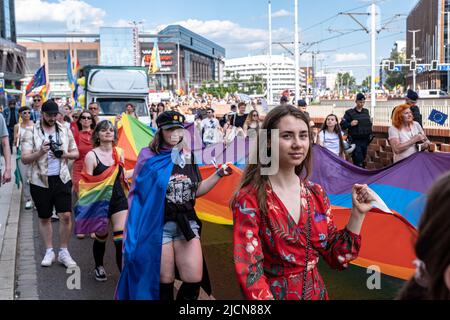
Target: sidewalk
<point x="10" y="200"/>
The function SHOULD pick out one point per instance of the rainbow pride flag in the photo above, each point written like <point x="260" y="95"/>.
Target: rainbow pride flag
<point x="133" y="137"/>
<point x="91" y="210"/>
<point x="387" y="239"/>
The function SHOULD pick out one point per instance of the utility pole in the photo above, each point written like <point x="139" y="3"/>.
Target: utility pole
<point x="297" y="54"/>
<point x="373" y="30"/>
<point x="413" y="57"/>
<point x="269" y="63"/>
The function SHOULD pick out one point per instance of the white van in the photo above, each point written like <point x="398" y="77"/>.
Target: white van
<point x="432" y="93"/>
<point x="114" y="87"/>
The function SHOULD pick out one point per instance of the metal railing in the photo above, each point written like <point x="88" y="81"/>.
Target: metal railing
<point x="382" y="113"/>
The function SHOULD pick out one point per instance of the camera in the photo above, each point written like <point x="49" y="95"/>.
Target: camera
<point x="55" y="147"/>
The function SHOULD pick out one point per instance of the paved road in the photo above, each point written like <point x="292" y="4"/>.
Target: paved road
<point x="51" y="283"/>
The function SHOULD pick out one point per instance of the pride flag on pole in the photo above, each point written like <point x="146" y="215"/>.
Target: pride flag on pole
<point x="155" y="63"/>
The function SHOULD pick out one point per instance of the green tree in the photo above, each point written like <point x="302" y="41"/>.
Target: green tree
<point x="345" y="81"/>
<point x="395" y="78"/>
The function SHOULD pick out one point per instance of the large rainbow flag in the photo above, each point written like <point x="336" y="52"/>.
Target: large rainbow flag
<point x="387" y="239"/>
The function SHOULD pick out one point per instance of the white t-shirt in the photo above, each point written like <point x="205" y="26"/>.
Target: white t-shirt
<point x="211" y="130"/>
<point x="54" y="164"/>
<point x="330" y="141"/>
<point x="405" y="135"/>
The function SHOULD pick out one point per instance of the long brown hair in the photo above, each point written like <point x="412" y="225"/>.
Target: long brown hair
<point x="252" y="174"/>
<point x="433" y="245"/>
<point x="337" y="130"/>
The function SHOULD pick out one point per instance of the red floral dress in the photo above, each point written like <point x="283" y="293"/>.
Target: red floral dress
<point x="271" y="252"/>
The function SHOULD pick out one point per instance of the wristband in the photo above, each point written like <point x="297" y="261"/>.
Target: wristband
<point x="219" y="174"/>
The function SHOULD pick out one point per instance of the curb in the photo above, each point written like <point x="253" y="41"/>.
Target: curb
<point x="9" y="248"/>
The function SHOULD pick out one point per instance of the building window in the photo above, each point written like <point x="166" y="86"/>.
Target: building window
<point x="33" y="61"/>
<point x="7" y="21"/>
<point x="57" y="61"/>
<point x="87" y="57"/>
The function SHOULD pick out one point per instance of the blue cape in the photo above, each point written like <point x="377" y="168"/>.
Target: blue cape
<point x="140" y="275"/>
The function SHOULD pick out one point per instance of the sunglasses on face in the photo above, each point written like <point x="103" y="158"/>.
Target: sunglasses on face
<point x="86" y="118"/>
<point x="37" y="100"/>
<point x="25" y="112"/>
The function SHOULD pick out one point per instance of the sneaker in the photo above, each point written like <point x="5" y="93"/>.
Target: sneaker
<point x="65" y="259"/>
<point x="55" y="217"/>
<point x="49" y="258"/>
<point x="100" y="274"/>
<point x="28" y="205"/>
<point x="81" y="236"/>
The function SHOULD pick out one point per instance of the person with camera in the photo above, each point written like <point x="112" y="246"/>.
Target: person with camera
<point x="406" y="136"/>
<point x="47" y="148"/>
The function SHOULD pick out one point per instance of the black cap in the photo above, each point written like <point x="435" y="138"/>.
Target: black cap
<point x="50" y="107"/>
<point x="170" y="119"/>
<point x="301" y="103"/>
<point x="412" y="95"/>
<point x="284" y="99"/>
<point x="360" y="96"/>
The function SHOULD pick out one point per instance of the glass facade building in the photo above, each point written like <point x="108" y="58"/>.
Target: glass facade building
<point x="118" y="46"/>
<point x="195" y="60"/>
<point x="12" y="56"/>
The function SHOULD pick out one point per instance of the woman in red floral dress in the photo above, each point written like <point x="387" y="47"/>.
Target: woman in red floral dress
<point x="278" y="237"/>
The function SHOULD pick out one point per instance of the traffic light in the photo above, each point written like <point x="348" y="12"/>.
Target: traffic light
<point x="391" y="65"/>
<point x="413" y="65"/>
<point x="434" y="65"/>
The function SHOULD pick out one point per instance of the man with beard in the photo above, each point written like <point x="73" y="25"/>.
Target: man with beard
<point x="48" y="149"/>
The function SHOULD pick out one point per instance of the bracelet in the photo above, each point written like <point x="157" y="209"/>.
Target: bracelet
<point x="219" y="174"/>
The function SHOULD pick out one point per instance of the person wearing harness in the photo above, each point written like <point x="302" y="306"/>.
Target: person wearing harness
<point x="359" y="125"/>
<point x="104" y="176"/>
<point x="163" y="230"/>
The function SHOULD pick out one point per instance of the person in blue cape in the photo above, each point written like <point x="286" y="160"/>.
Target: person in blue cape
<point x="162" y="233"/>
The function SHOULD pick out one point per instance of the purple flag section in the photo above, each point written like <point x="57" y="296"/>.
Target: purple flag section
<point x="403" y="185"/>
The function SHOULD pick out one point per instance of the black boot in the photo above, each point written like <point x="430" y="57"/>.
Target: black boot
<point x="188" y="291"/>
<point x="166" y="291"/>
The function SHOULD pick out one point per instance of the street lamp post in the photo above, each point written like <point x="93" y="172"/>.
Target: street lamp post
<point x="297" y="54"/>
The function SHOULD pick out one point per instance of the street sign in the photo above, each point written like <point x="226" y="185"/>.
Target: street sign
<point x="420" y="68"/>
<point x="398" y="68"/>
<point x="443" y="67"/>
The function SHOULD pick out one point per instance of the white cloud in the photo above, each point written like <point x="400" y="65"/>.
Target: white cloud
<point x="281" y="13"/>
<point x="348" y="57"/>
<point x="71" y="15"/>
<point x="231" y="35"/>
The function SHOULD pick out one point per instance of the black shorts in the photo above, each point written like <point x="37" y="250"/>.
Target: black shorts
<point x="58" y="195"/>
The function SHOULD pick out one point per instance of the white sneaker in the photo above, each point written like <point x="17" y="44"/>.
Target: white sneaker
<point x="28" y="205"/>
<point x="65" y="259"/>
<point x="49" y="258"/>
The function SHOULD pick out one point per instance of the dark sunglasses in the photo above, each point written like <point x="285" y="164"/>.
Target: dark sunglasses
<point x="26" y="112"/>
<point x="37" y="100"/>
<point x="86" y="118"/>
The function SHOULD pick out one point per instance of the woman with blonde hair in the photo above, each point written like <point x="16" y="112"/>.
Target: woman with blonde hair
<point x="406" y="136"/>
<point x="252" y="124"/>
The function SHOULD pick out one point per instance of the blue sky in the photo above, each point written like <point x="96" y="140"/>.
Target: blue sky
<point x="238" y="25"/>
